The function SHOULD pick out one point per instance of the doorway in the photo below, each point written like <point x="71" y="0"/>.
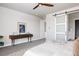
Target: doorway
<point x="76" y="28"/>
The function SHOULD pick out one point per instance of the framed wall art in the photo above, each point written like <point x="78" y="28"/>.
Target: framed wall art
<point x="21" y="27"/>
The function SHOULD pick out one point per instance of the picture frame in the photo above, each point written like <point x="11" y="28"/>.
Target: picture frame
<point x="21" y="27"/>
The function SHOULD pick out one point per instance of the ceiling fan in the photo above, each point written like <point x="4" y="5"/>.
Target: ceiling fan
<point x="43" y="4"/>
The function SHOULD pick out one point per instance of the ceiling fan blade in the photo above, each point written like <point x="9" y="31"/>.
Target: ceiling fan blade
<point x="46" y="4"/>
<point x="36" y="6"/>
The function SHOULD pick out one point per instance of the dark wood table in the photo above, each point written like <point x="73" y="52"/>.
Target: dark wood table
<point x="20" y="36"/>
<point x="1" y="36"/>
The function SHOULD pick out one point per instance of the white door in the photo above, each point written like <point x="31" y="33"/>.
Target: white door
<point x="61" y="28"/>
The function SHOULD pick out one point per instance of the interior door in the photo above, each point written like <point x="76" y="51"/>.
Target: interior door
<point x="61" y="28"/>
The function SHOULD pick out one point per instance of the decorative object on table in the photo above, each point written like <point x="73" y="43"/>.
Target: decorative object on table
<point x="28" y="33"/>
<point x="21" y="27"/>
<point x="15" y="33"/>
<point x="1" y="43"/>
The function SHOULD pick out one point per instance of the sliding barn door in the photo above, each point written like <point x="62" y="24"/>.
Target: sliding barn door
<point x="61" y="23"/>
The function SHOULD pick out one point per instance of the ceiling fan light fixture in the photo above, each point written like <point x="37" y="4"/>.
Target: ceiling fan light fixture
<point x="40" y="5"/>
<point x="43" y="4"/>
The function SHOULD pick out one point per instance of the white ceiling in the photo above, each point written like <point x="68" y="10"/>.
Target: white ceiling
<point x="41" y="11"/>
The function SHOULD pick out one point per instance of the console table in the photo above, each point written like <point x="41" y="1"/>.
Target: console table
<point x="20" y="36"/>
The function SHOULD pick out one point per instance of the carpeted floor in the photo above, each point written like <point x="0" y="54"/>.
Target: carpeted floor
<point x="20" y="49"/>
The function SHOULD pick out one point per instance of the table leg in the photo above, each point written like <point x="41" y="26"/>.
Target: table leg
<point x="13" y="41"/>
<point x="30" y="39"/>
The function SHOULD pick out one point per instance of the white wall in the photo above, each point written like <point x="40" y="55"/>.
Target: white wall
<point x="72" y="18"/>
<point x="42" y="29"/>
<point x="8" y="24"/>
<point x="50" y="27"/>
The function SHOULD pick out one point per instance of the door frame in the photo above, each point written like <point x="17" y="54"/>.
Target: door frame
<point x="75" y="28"/>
